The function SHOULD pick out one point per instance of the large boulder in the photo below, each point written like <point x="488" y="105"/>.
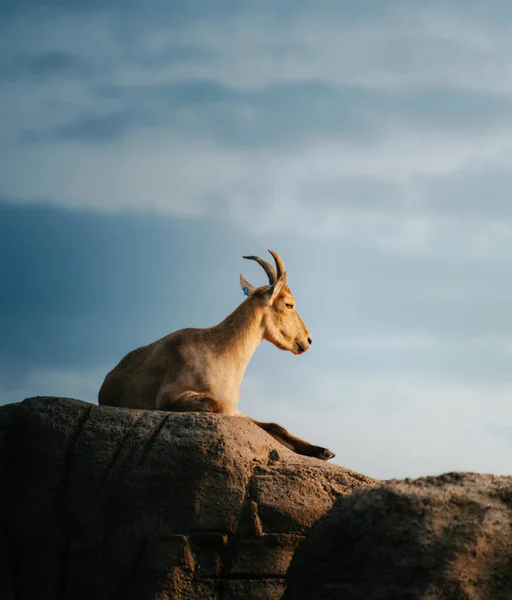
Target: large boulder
<point x="446" y="537"/>
<point x="105" y="503"/>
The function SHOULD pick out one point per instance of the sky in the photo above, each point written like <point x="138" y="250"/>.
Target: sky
<point x="146" y="146"/>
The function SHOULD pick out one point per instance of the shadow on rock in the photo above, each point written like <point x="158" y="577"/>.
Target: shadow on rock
<point x="444" y="537"/>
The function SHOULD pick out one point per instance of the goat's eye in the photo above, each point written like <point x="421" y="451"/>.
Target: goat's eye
<point x="290" y="306"/>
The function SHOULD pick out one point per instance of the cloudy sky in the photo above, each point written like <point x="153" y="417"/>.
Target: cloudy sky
<point x="146" y="146"/>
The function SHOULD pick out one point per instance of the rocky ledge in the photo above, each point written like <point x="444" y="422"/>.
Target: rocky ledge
<point x="112" y="504"/>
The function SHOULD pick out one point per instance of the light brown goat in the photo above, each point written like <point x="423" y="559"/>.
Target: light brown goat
<point x="202" y="369"/>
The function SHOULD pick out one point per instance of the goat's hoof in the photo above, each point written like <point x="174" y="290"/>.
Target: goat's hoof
<point x="327" y="454"/>
<point x="324" y="454"/>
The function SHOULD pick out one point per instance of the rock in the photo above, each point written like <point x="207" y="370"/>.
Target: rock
<point x="103" y="503"/>
<point x="446" y="537"/>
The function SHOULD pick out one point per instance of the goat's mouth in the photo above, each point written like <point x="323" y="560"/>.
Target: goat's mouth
<point x="300" y="347"/>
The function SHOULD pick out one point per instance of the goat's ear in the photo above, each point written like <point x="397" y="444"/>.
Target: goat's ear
<point x="247" y="288"/>
<point x="276" y="288"/>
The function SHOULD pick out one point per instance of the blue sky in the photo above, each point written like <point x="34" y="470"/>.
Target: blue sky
<point x="147" y="146"/>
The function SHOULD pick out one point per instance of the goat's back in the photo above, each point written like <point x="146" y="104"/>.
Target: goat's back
<point x="137" y="379"/>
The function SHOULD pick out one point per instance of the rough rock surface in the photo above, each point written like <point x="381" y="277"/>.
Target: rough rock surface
<point x="446" y="537"/>
<point x="110" y="503"/>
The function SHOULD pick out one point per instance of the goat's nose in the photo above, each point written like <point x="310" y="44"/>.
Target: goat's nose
<point x="310" y="341"/>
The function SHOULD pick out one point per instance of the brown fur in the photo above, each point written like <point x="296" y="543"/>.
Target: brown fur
<point x="202" y="369"/>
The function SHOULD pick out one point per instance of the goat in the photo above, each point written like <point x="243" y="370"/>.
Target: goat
<point x="202" y="369"/>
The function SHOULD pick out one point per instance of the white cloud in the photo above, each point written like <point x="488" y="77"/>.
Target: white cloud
<point x="263" y="187"/>
<point x="414" y="45"/>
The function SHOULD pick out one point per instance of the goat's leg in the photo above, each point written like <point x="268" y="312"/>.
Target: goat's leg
<point x="188" y="402"/>
<point x="294" y="443"/>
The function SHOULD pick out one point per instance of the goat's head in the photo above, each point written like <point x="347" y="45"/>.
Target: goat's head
<point x="282" y="324"/>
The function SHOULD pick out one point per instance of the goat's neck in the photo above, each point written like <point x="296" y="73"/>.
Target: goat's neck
<point x="240" y="334"/>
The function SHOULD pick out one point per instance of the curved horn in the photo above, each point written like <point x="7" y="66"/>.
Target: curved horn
<point x="279" y="263"/>
<point x="268" y="268"/>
